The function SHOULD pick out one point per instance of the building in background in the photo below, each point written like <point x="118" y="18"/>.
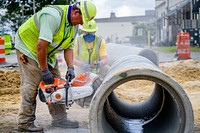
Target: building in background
<point x="120" y="29"/>
<point x="173" y="16"/>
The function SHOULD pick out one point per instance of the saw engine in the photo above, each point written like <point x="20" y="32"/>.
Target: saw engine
<point x="80" y="90"/>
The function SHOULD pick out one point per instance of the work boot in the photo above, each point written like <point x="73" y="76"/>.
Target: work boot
<point x="65" y="123"/>
<point x="29" y="128"/>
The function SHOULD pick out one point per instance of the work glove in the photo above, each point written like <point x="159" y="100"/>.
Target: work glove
<point x="98" y="64"/>
<point x="86" y="67"/>
<point x="70" y="74"/>
<point x="47" y="77"/>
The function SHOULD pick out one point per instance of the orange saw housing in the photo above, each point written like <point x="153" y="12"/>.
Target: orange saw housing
<point x="81" y="80"/>
<point x="58" y="84"/>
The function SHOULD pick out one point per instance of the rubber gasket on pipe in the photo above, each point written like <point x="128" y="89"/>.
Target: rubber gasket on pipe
<point x="167" y="110"/>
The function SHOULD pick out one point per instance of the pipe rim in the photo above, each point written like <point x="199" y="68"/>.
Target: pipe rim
<point x="168" y="82"/>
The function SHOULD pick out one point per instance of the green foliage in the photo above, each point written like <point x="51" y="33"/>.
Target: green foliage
<point x="173" y="49"/>
<point x="195" y="49"/>
<point x="167" y="49"/>
<point x="144" y="28"/>
<point x="18" y="11"/>
<point x="139" y="39"/>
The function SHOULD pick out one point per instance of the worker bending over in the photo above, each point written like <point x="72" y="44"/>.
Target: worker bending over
<point x="49" y="31"/>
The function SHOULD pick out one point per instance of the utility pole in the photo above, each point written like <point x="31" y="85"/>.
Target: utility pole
<point x="149" y="39"/>
<point x="33" y="6"/>
<point x="167" y="8"/>
<point x="191" y="7"/>
<point x="199" y="19"/>
<point x="22" y="11"/>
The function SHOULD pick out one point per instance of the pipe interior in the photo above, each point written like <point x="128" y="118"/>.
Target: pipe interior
<point x="158" y="113"/>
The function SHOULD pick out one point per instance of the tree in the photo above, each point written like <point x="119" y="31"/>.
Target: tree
<point x="140" y="33"/>
<point x="18" y="11"/>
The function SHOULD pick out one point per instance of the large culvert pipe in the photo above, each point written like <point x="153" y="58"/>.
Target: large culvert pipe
<point x="167" y="110"/>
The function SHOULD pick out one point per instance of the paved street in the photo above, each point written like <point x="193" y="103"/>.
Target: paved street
<point x="115" y="51"/>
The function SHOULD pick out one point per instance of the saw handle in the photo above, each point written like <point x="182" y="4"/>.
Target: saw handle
<point x="66" y="91"/>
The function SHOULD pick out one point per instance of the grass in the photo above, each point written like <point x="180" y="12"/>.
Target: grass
<point x="173" y="49"/>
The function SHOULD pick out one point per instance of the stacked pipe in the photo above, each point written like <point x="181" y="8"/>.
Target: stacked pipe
<point x="167" y="110"/>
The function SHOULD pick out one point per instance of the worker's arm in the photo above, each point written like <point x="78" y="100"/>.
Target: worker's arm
<point x="42" y="54"/>
<point x="47" y="76"/>
<point x="69" y="56"/>
<point x="49" y="24"/>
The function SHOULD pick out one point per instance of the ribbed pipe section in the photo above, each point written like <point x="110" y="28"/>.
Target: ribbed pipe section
<point x="167" y="110"/>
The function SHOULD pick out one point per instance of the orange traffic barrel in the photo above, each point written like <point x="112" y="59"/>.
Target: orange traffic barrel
<point x="183" y="45"/>
<point x="2" y="51"/>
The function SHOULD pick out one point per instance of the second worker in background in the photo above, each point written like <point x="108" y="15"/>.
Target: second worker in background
<point x="90" y="51"/>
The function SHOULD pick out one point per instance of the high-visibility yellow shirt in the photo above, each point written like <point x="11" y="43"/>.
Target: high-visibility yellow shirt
<point x="102" y="49"/>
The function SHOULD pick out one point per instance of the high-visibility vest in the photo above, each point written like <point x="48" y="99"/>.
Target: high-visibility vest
<point x="29" y="33"/>
<point x="89" y="55"/>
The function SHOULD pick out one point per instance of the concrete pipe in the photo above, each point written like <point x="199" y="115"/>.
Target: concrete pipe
<point x="167" y="109"/>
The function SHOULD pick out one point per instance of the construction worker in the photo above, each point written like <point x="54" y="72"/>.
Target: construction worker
<point x="90" y="51"/>
<point x="49" y="31"/>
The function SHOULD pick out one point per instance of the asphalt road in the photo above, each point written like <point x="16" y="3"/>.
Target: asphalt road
<point x="115" y="51"/>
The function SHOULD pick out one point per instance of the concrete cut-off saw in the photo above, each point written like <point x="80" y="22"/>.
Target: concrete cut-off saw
<point x="80" y="89"/>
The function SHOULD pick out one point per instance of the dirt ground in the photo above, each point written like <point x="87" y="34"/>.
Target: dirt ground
<point x="186" y="73"/>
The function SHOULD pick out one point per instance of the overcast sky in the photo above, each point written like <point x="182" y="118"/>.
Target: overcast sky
<point x="123" y="7"/>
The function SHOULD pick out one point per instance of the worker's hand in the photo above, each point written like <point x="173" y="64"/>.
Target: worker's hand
<point x="98" y="64"/>
<point x="86" y="67"/>
<point x="70" y="74"/>
<point x="47" y="76"/>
